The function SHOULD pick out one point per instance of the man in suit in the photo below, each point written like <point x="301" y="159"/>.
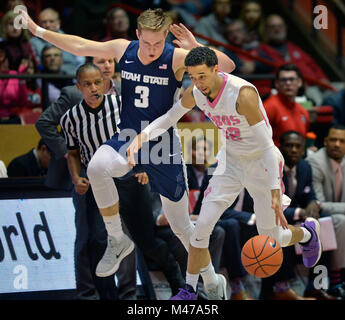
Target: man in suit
<point x="297" y="178"/>
<point x="329" y="184"/>
<point x="32" y="164"/>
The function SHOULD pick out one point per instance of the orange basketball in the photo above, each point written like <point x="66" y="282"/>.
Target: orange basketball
<point x="262" y="256"/>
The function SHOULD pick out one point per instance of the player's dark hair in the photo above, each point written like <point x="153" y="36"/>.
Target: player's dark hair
<point x="201" y="55"/>
<point x="84" y="67"/>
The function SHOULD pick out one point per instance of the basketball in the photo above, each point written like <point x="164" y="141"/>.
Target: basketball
<point x="262" y="256"/>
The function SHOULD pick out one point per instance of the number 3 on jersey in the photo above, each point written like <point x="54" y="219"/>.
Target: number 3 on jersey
<point x="143" y="101"/>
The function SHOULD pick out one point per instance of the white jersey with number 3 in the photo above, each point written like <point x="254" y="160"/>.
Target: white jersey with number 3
<point x="236" y="132"/>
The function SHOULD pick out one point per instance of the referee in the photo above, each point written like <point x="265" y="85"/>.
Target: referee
<point x="86" y="126"/>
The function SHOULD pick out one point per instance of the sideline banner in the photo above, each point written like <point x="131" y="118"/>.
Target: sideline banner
<point x="37" y="245"/>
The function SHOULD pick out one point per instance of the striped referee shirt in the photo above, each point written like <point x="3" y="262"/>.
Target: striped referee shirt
<point x="86" y="128"/>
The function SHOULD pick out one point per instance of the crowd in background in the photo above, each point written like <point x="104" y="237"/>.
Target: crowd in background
<point x="292" y="108"/>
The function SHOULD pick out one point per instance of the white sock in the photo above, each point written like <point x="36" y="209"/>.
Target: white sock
<point x="306" y="236"/>
<point x="192" y="280"/>
<point x="208" y="275"/>
<point x="114" y="226"/>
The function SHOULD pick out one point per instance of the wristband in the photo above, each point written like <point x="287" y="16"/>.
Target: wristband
<point x="40" y="32"/>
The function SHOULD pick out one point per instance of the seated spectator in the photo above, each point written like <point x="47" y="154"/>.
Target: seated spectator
<point x="329" y="184"/>
<point x="50" y="20"/>
<point x="10" y="5"/>
<point x="13" y="92"/>
<point x="214" y="24"/>
<point x="34" y="92"/>
<point x="52" y="62"/>
<point x="297" y="178"/>
<point x="236" y="34"/>
<point x="117" y="24"/>
<point x="252" y="16"/>
<point x="35" y="163"/>
<point x="283" y="51"/>
<point x="337" y="101"/>
<point x="283" y="112"/>
<point x="16" y="41"/>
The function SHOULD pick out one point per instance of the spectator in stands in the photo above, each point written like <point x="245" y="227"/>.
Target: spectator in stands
<point x="236" y="34"/>
<point x="283" y="51"/>
<point x="13" y="92"/>
<point x="34" y="92"/>
<point x="214" y="24"/>
<point x="52" y="62"/>
<point x="328" y="168"/>
<point x="32" y="164"/>
<point x="50" y="20"/>
<point x="297" y="178"/>
<point x="283" y="112"/>
<point x="117" y="24"/>
<point x="16" y="41"/>
<point x="337" y="101"/>
<point x="10" y="4"/>
<point x="252" y="16"/>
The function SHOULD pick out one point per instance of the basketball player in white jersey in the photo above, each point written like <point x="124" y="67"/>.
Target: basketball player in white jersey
<point x="248" y="158"/>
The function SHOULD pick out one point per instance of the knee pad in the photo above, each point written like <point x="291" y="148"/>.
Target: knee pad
<point x="201" y="235"/>
<point x="107" y="163"/>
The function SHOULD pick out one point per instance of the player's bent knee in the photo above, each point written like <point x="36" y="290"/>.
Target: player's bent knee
<point x="200" y="242"/>
<point x="201" y="235"/>
<point x="106" y="163"/>
<point x="95" y="169"/>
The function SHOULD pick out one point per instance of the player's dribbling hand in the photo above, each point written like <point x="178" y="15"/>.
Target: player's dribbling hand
<point x="184" y="38"/>
<point x="277" y="207"/>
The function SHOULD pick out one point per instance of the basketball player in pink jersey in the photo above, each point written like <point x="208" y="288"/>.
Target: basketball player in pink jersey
<point x="248" y="158"/>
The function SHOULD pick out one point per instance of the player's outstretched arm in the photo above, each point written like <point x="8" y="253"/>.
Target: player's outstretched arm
<point x="74" y="44"/>
<point x="247" y="104"/>
<point x="161" y="124"/>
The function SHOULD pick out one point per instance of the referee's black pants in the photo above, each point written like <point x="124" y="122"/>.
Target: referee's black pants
<point x="89" y="247"/>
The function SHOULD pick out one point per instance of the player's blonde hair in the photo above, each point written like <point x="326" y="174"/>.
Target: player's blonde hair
<point x="155" y="20"/>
